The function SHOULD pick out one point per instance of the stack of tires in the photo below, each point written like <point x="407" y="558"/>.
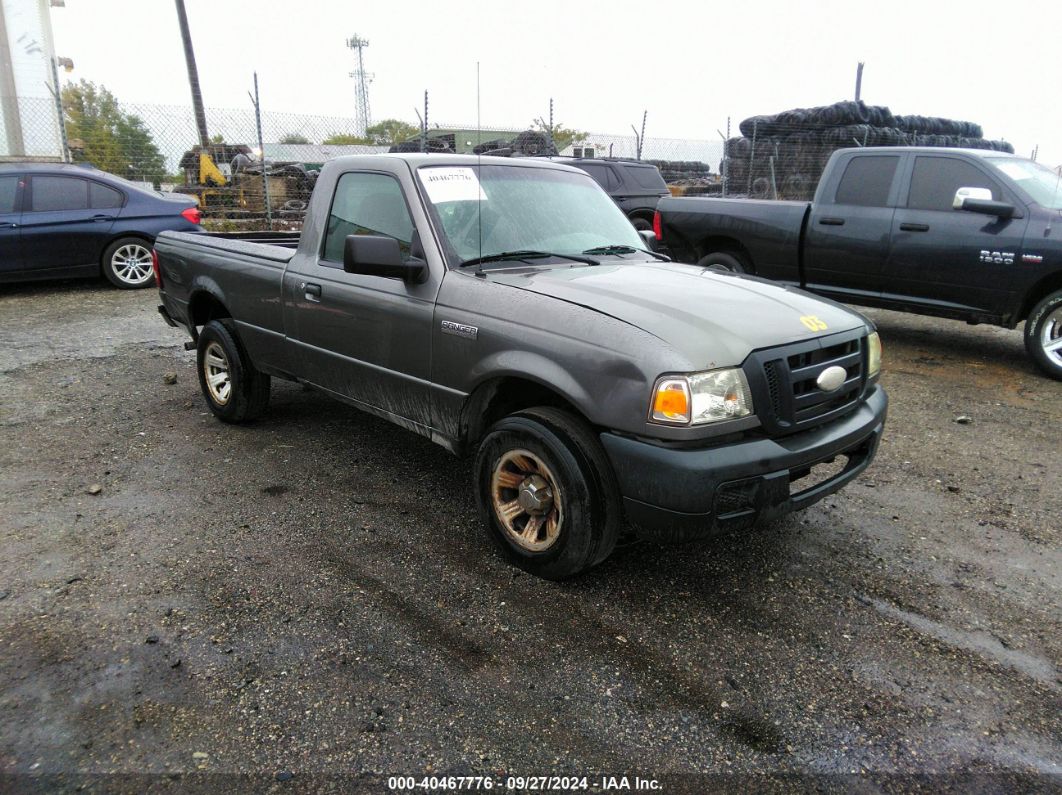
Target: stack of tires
<point x="785" y="153"/>
<point x="682" y="171"/>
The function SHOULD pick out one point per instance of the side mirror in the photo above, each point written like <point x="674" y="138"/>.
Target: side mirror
<point x="649" y="236"/>
<point x="979" y="200"/>
<point x="377" y="255"/>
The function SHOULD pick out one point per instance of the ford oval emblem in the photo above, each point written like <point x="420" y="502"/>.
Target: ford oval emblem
<point x="831" y="378"/>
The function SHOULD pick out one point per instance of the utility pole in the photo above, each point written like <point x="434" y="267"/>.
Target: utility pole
<point x="859" y="81"/>
<point x="9" y="95"/>
<point x="193" y="75"/>
<point x="361" y="88"/>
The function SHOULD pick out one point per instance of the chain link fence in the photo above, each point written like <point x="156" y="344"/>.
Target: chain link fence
<point x="779" y="156"/>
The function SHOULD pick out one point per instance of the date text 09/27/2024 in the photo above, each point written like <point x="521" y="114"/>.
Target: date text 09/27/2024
<point x="523" y="783"/>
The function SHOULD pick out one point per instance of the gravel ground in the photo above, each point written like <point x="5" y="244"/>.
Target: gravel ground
<point x="311" y="599"/>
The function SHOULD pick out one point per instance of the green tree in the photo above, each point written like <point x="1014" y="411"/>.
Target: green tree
<point x="345" y="139"/>
<point x="563" y="137"/>
<point x="101" y="133"/>
<point x="294" y="138"/>
<point x="391" y="131"/>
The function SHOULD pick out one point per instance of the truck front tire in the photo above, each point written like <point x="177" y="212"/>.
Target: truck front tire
<point x="234" y="390"/>
<point x="1043" y="335"/>
<point x="547" y="493"/>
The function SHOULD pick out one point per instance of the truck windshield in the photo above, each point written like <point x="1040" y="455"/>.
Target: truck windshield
<point x="1041" y="183"/>
<point x="490" y="209"/>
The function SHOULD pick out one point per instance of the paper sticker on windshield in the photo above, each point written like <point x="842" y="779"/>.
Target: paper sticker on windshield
<point x="1012" y="170"/>
<point x="451" y="185"/>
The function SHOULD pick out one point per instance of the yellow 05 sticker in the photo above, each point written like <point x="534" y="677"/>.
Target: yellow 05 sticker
<point x="813" y="323"/>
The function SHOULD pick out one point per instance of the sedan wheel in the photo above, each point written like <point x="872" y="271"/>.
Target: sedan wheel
<point x="132" y="264"/>
<point x="127" y="263"/>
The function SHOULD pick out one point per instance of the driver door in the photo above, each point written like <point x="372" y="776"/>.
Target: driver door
<point x="366" y="338"/>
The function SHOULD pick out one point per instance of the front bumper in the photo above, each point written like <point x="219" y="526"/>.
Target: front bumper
<point x="681" y="494"/>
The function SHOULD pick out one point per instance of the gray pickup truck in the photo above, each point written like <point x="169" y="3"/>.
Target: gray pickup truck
<point x="508" y="310"/>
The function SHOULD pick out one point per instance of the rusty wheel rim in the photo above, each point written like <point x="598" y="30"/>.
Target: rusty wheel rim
<point x="526" y="500"/>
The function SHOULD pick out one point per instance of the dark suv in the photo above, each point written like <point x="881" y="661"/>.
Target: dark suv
<point x="59" y="220"/>
<point x="635" y="186"/>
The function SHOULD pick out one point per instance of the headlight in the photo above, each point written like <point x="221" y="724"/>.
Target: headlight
<point x="873" y="354"/>
<point x="700" y="398"/>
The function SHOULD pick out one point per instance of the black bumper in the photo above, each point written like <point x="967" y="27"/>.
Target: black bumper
<point x="679" y="494"/>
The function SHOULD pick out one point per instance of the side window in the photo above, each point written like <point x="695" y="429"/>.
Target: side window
<point x="867" y="180"/>
<point x="103" y="198"/>
<point x="598" y="173"/>
<point x="647" y="177"/>
<point x="51" y="194"/>
<point x="367" y="204"/>
<point x="8" y="193"/>
<point x="935" y="180"/>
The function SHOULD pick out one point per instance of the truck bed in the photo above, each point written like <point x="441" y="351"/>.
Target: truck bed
<point x="276" y="247"/>
<point x="693" y="228"/>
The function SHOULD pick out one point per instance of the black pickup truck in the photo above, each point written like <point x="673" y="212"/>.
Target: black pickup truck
<point x="966" y="234"/>
<point x="508" y="310"/>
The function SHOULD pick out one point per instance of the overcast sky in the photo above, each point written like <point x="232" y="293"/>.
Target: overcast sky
<point x="690" y="64"/>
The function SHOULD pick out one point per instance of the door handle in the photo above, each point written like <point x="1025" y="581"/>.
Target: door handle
<point x="312" y="292"/>
<point x="914" y="227"/>
<point x="831" y="221"/>
<point x="103" y="218"/>
<point x="9" y="226"/>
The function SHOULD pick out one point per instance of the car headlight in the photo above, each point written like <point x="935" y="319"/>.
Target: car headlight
<point x="701" y="398"/>
<point x="873" y="354"/>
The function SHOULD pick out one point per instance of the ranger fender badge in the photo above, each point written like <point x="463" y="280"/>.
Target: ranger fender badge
<point x="459" y="329"/>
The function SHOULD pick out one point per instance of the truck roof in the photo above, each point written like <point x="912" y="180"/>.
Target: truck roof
<point x="417" y="159"/>
<point x="931" y="150"/>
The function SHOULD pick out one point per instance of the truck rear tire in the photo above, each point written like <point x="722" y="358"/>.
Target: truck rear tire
<point x="726" y="261"/>
<point x="1043" y="335"/>
<point x="234" y="390"/>
<point x="547" y="493"/>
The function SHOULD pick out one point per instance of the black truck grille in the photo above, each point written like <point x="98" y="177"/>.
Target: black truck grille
<point x="784" y="381"/>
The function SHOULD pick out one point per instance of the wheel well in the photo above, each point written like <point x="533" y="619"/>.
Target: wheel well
<point x="726" y="245"/>
<point x="204" y="307"/>
<point x="644" y="214"/>
<point x="500" y="397"/>
<point x="1039" y="292"/>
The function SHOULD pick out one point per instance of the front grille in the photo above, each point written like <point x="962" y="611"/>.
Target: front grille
<point x="785" y="386"/>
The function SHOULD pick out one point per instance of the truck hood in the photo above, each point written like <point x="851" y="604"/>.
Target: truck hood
<point x="715" y="319"/>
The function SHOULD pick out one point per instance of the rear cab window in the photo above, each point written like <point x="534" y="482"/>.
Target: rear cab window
<point x="867" y="181"/>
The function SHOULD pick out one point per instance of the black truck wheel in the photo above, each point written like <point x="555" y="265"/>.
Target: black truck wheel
<point x="1043" y="335"/>
<point x="726" y="261"/>
<point x="547" y="493"/>
<point x="234" y="390"/>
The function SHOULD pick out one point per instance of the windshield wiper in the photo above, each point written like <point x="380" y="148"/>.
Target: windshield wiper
<point x="625" y="249"/>
<point x="525" y="254"/>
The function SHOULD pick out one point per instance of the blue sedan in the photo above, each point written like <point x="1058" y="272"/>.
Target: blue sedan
<point x="59" y="220"/>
